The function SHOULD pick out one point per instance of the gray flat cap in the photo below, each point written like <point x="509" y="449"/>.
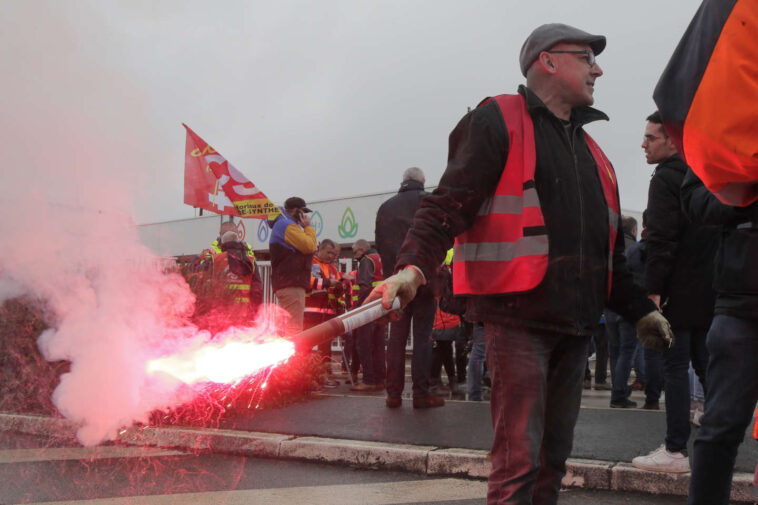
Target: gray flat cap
<point x="546" y="36"/>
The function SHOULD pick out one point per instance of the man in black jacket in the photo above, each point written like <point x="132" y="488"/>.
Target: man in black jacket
<point x="537" y="337"/>
<point x="732" y="343"/>
<point x="678" y="278"/>
<point x="393" y="219"/>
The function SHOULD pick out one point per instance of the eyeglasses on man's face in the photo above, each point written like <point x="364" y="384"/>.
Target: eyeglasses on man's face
<point x="585" y="52"/>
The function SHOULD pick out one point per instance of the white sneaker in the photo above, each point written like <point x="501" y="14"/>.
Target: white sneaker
<point x="661" y="460"/>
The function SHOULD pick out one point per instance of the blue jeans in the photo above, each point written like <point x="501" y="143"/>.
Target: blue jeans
<point x="370" y="347"/>
<point x="420" y="313"/>
<point x="638" y="360"/>
<point x="689" y="345"/>
<point x="476" y="364"/>
<point x="622" y="341"/>
<point x="537" y="379"/>
<point x="730" y="398"/>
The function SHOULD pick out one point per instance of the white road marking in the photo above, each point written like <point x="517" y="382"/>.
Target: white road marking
<point x="384" y="493"/>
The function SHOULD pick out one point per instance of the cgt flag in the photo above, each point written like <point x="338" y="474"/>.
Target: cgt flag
<point x="212" y="183"/>
<point x="708" y="98"/>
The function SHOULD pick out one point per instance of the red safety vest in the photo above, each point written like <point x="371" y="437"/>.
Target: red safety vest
<point x="506" y="249"/>
<point x="319" y="299"/>
<point x="239" y="285"/>
<point x="375" y="280"/>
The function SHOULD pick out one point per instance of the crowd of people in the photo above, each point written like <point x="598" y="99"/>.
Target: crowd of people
<point x="522" y="252"/>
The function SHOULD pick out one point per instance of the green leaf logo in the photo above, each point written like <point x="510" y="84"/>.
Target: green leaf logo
<point x="348" y="228"/>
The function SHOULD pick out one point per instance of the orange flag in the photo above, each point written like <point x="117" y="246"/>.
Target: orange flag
<point x="212" y="183"/>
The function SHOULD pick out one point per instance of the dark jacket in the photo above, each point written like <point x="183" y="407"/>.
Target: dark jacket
<point x="241" y="265"/>
<point x="291" y="249"/>
<point x="393" y="220"/>
<point x="736" y="264"/>
<point x="365" y="278"/>
<point x="629" y="240"/>
<point x="680" y="254"/>
<point x="636" y="255"/>
<point x="572" y="294"/>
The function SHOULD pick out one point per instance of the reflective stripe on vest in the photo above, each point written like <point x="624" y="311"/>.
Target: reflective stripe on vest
<point x="239" y="285"/>
<point x="378" y="276"/>
<point x="506" y="249"/>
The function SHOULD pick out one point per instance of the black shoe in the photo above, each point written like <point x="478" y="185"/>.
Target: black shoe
<point x="623" y="404"/>
<point x="651" y="406"/>
<point x="393" y="402"/>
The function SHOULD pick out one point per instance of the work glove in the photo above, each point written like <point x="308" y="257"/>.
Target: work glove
<point x="654" y="331"/>
<point x="402" y="285"/>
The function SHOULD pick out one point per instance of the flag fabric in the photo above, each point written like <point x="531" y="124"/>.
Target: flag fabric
<point x="708" y="98"/>
<point x="212" y="183"/>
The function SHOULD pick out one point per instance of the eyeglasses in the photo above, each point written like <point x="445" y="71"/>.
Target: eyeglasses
<point x="587" y="53"/>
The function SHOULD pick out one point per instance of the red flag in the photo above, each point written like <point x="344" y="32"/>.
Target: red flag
<point x="212" y="183"/>
<point x="708" y="98"/>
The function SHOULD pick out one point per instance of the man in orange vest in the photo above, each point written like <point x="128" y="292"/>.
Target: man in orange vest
<point x="233" y="269"/>
<point x="323" y="301"/>
<point x="532" y="205"/>
<point x="369" y="339"/>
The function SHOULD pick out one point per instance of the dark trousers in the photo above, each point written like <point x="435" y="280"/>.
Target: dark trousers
<point x="461" y="358"/>
<point x="689" y="345"/>
<point x="419" y="313"/>
<point x="370" y="344"/>
<point x="729" y="404"/>
<point x="351" y="354"/>
<point x="653" y="375"/>
<point x="622" y="341"/>
<point x="536" y="392"/>
<point x="442" y="355"/>
<point x="601" y="355"/>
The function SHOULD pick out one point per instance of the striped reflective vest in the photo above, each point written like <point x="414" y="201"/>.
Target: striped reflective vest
<point x="240" y="286"/>
<point x="375" y="280"/>
<point x="320" y="299"/>
<point x="506" y="249"/>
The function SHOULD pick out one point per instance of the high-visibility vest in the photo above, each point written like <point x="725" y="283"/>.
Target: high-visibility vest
<point x="240" y="285"/>
<point x="506" y="249"/>
<point x="321" y="270"/>
<point x="375" y="280"/>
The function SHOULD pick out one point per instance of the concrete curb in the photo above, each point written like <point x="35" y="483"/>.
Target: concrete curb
<point x="429" y="460"/>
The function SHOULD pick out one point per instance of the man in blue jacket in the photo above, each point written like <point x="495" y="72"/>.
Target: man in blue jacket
<point x="292" y="244"/>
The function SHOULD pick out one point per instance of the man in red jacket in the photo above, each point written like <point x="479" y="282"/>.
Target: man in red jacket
<point x="532" y="204"/>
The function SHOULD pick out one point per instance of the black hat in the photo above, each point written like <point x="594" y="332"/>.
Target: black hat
<point x="546" y="36"/>
<point x="295" y="202"/>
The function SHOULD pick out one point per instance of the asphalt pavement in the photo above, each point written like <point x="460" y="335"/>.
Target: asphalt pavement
<point x="338" y="427"/>
<point x="36" y="469"/>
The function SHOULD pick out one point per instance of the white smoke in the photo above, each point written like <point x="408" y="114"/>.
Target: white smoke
<point x="71" y="170"/>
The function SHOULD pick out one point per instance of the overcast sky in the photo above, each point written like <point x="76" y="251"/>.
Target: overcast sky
<point x="318" y="99"/>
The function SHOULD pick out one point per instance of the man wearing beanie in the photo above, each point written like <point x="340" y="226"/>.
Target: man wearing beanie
<point x="531" y="203"/>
